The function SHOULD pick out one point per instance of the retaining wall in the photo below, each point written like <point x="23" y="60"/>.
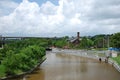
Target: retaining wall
<point x="110" y="61"/>
<point x="85" y="54"/>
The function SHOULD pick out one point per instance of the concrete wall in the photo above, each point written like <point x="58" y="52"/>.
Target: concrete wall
<point x="85" y="54"/>
<point x="110" y="61"/>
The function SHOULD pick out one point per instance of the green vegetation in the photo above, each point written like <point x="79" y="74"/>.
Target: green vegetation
<point x="20" y="56"/>
<point x="99" y="42"/>
<point x="86" y="43"/>
<point x="117" y="59"/>
<point x="115" y="42"/>
<point x="60" y="42"/>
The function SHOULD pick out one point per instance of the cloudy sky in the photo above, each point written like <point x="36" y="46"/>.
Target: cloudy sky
<point x="59" y="17"/>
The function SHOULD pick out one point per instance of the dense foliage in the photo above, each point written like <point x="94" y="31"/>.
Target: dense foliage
<point x="21" y="56"/>
<point x="60" y="42"/>
<point x="86" y="43"/>
<point x="115" y="40"/>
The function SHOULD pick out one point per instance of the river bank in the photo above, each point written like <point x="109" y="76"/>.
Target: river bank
<point x="61" y="66"/>
<point x="88" y="54"/>
<point x="115" y="64"/>
<point x="24" y="73"/>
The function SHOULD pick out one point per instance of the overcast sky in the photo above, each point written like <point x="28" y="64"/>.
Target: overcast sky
<point x="59" y="17"/>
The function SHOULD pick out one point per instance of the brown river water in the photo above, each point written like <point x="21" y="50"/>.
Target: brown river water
<point x="69" y="67"/>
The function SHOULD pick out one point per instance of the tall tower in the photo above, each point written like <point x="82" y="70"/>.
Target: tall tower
<point x="78" y="35"/>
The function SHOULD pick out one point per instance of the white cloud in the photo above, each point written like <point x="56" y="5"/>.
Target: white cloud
<point x="70" y="16"/>
<point x="48" y="8"/>
<point x="7" y="6"/>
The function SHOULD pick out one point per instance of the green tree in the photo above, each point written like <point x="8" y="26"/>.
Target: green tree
<point x="98" y="42"/>
<point x="83" y="43"/>
<point x="115" y="40"/>
<point x="86" y="43"/>
<point x="21" y="55"/>
<point x="61" y="42"/>
<point x="11" y="62"/>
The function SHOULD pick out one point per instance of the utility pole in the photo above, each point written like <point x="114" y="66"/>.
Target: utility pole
<point x="103" y="46"/>
<point x="103" y="43"/>
<point x="108" y="42"/>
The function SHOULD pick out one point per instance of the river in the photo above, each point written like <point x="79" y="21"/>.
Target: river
<point x="70" y="67"/>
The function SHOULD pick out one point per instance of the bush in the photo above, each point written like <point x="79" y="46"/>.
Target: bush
<point x="2" y="71"/>
<point x="21" y="56"/>
<point x="23" y="61"/>
<point x="11" y="62"/>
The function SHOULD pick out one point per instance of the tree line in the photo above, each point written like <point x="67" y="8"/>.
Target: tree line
<point x="102" y="41"/>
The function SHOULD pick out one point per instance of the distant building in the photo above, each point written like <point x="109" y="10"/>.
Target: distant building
<point x="75" y="40"/>
<point x="114" y="52"/>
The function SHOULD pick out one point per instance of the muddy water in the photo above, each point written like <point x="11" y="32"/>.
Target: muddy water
<point x="69" y="67"/>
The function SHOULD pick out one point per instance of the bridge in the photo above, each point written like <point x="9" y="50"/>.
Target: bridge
<point x="4" y="38"/>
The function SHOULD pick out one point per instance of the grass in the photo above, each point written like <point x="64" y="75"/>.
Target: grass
<point x="117" y="59"/>
<point x="2" y="71"/>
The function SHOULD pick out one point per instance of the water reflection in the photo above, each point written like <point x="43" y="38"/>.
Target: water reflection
<point x="69" y="67"/>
